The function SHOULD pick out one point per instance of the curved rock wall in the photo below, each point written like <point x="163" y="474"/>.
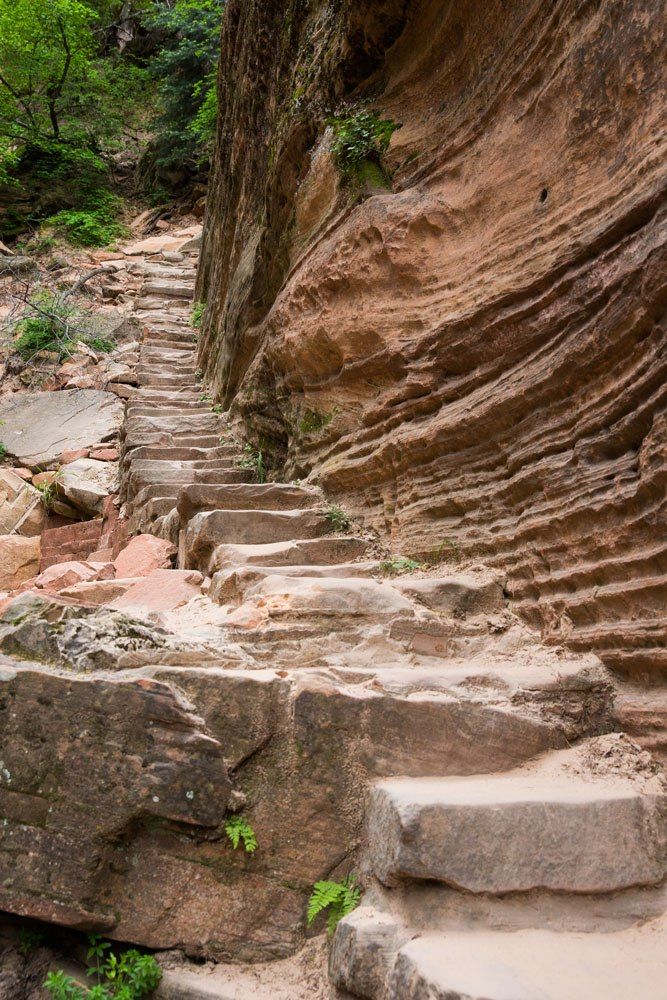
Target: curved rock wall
<point x="473" y="359"/>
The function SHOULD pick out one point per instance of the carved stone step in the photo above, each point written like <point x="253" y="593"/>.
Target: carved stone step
<point x="530" y="965"/>
<point x="235" y="584"/>
<point x="559" y="829"/>
<point x="299" y="552"/>
<point x="252" y="496"/>
<point x="209" y="529"/>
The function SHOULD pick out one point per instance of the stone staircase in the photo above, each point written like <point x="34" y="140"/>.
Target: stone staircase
<point x="511" y="845"/>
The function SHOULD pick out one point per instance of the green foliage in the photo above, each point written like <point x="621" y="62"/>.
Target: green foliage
<point x="239" y="830"/>
<point x="29" y="939"/>
<point x="361" y="139"/>
<point x="93" y="225"/>
<point x="49" y="323"/>
<point x="337" y="518"/>
<point x="312" y="422"/>
<point x="196" y="314"/>
<point x="185" y="70"/>
<point x="339" y="898"/>
<point x="48" y="492"/>
<point x="3" y="450"/>
<point x="252" y="459"/>
<point x="128" y="976"/>
<point x="60" y="986"/>
<point x="216" y="408"/>
<point x="398" y="565"/>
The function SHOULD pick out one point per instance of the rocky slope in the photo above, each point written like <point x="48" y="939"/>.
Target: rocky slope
<point x="404" y="726"/>
<point x="474" y="356"/>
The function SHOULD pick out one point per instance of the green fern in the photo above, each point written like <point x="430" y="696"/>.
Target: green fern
<point x="238" y="829"/>
<point x="339" y="898"/>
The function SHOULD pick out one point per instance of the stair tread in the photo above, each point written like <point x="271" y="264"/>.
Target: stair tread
<point x="564" y="825"/>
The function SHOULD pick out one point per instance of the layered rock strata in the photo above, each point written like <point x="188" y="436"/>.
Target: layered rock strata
<point x="472" y="356"/>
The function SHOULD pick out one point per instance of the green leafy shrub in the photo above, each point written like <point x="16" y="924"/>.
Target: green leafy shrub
<point x="93" y="225"/>
<point x="196" y="314"/>
<point x="3" y="450"/>
<point x="338" y="898"/>
<point x="51" y="323"/>
<point x="360" y="140"/>
<point x="128" y="976"/>
<point x="337" y="518"/>
<point x="398" y="565"/>
<point x="239" y="831"/>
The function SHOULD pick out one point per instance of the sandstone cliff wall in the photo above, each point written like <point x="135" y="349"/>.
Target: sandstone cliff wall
<point x="474" y="358"/>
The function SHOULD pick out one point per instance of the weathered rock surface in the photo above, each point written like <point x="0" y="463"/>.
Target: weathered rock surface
<point x="559" y="830"/>
<point x="471" y="357"/>
<point x="19" y="560"/>
<point x="86" y="638"/>
<point x="86" y="483"/>
<point x="133" y="756"/>
<point x="21" y="509"/>
<point x="142" y="555"/>
<point x="38" y="426"/>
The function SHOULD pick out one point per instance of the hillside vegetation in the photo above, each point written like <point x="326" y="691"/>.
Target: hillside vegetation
<point x="101" y="98"/>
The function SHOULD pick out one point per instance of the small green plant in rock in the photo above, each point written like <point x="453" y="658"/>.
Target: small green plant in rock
<point x="3" y="450"/>
<point x="252" y="459"/>
<point x="60" y="986"/>
<point x="48" y="492"/>
<point x="337" y="518"/>
<point x="360" y="141"/>
<point x="217" y="408"/>
<point x="239" y="831"/>
<point x="337" y="898"/>
<point x="446" y="550"/>
<point x="398" y="565"/>
<point x="197" y="314"/>
<point x="127" y="976"/>
<point x="29" y="939"/>
<point x="312" y="422"/>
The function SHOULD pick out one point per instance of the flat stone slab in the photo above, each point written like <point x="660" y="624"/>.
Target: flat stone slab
<point x="163" y="590"/>
<point x="533" y="965"/>
<point x="38" y="426"/>
<point x="562" y="829"/>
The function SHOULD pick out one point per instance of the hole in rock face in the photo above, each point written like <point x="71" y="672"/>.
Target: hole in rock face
<point x="544" y="194"/>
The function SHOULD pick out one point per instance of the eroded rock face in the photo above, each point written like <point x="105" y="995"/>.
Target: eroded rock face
<point x="132" y="755"/>
<point x="477" y="350"/>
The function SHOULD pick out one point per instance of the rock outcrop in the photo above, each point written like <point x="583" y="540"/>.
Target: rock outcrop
<point x="473" y="356"/>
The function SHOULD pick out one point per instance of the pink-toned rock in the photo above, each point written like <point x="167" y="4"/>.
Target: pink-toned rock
<point x="21" y="509"/>
<point x="44" y="478"/>
<point x="144" y="554"/>
<point x="70" y="542"/>
<point x="163" y="590"/>
<point x="248" y="616"/>
<point x="67" y="574"/>
<point x="105" y="455"/>
<point x="72" y="456"/>
<point x="19" y="560"/>
<point x="98" y="591"/>
<point x="24" y="474"/>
